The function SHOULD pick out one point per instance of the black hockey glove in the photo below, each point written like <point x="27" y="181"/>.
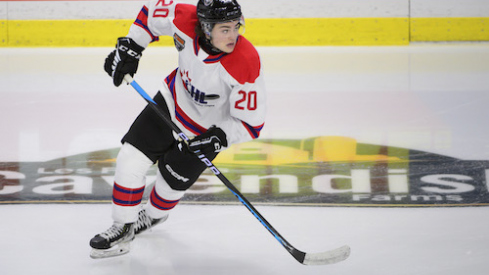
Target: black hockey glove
<point x="123" y="60"/>
<point x="209" y="142"/>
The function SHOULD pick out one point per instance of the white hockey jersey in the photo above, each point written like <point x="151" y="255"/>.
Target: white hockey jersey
<point x="226" y="90"/>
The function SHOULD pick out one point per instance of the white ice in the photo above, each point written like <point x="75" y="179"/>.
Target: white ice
<point x="59" y="102"/>
<point x="53" y="239"/>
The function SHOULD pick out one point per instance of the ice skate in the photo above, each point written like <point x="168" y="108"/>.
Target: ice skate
<point x="113" y="242"/>
<point x="145" y="222"/>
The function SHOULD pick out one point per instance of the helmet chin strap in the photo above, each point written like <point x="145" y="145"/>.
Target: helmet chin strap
<point x="205" y="42"/>
<point x="207" y="46"/>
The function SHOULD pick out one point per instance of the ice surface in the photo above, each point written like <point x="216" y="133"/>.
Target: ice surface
<point x="196" y="239"/>
<point x="59" y="102"/>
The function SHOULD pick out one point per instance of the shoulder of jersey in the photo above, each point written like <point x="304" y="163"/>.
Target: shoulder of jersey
<point x="186" y="18"/>
<point x="243" y="64"/>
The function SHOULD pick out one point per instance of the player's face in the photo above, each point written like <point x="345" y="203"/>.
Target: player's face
<point x="225" y="35"/>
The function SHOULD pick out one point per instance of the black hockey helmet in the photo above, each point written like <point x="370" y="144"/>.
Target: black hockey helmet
<point x="218" y="11"/>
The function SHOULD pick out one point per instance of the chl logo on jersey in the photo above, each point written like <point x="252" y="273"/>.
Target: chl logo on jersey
<point x="197" y="95"/>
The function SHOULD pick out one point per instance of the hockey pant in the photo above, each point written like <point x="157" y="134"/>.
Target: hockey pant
<point x="150" y="141"/>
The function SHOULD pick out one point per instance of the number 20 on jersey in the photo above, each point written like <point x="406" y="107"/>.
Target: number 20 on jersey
<point x="164" y="11"/>
<point x="247" y="101"/>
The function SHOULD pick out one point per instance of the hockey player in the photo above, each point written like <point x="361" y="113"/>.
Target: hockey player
<point x="216" y="95"/>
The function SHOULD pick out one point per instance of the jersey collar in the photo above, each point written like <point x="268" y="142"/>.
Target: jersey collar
<point x="214" y="55"/>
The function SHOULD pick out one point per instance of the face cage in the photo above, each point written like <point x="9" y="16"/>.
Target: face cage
<point x="208" y="26"/>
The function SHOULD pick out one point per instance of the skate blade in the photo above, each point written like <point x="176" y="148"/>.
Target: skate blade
<point x="120" y="249"/>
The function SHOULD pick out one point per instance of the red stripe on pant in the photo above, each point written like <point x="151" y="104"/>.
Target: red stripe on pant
<point x="160" y="202"/>
<point x="124" y="196"/>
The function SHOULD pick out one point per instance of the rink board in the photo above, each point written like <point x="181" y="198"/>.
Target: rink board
<point x="261" y="32"/>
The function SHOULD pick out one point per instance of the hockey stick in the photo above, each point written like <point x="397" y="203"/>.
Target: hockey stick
<point x="321" y="258"/>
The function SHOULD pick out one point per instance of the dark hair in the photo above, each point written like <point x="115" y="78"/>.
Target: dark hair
<point x="198" y="30"/>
